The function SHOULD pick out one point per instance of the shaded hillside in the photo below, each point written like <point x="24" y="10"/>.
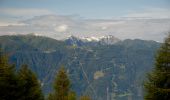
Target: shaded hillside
<point x="118" y="69"/>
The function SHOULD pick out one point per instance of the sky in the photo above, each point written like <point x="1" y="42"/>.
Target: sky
<point x="142" y="19"/>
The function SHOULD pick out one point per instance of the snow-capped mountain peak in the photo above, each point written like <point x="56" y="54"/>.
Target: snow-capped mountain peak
<point x="108" y="40"/>
<point x="103" y="40"/>
<point x="99" y="38"/>
<point x="90" y="39"/>
<point x="72" y="37"/>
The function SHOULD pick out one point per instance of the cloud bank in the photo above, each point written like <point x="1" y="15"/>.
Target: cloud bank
<point x="60" y="27"/>
<point x="152" y="24"/>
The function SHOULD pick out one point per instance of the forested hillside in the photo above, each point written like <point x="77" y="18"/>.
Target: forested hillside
<point x="101" y="71"/>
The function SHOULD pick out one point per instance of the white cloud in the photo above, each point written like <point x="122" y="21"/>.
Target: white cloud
<point x="104" y="27"/>
<point x="61" y="28"/>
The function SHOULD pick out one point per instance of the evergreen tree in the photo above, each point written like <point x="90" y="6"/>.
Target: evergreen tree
<point x="51" y="96"/>
<point x="158" y="84"/>
<point x="85" y="98"/>
<point x="9" y="85"/>
<point x="61" y="86"/>
<point x="72" y="96"/>
<point x="30" y="86"/>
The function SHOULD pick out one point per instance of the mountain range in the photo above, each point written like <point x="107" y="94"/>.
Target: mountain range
<point x="104" y="40"/>
<point x="101" y="67"/>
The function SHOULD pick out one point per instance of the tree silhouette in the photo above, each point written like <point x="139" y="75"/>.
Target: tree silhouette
<point x="158" y="84"/>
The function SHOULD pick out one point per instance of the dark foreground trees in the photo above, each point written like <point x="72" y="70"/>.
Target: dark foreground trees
<point x="9" y="83"/>
<point x="62" y="87"/>
<point x="24" y="85"/>
<point x="158" y="84"/>
<point x="85" y="98"/>
<point x="18" y="86"/>
<point x="30" y="86"/>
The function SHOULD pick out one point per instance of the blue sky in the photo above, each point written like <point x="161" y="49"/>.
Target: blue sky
<point x="88" y="8"/>
<point x="86" y="18"/>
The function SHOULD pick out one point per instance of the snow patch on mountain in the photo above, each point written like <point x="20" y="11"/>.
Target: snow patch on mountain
<point x="89" y="39"/>
<point x="103" y="40"/>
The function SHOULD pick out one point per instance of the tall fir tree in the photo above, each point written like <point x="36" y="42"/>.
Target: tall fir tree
<point x="9" y="85"/>
<point x="51" y="96"/>
<point x="30" y="86"/>
<point x="85" y="98"/>
<point x="158" y="84"/>
<point x="72" y="95"/>
<point x="61" y="86"/>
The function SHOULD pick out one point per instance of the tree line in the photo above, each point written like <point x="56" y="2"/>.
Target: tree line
<point x="23" y="84"/>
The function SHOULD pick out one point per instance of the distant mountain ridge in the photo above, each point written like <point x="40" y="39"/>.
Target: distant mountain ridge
<point x="103" y="40"/>
<point x="119" y="68"/>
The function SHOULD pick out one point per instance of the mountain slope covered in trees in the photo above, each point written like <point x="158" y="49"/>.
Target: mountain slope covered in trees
<point x="101" y="71"/>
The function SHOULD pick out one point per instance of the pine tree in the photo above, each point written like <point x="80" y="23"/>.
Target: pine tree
<point x="51" y="96"/>
<point x="85" y="98"/>
<point x="61" y="86"/>
<point x="9" y="85"/>
<point x="30" y="86"/>
<point x="72" y="96"/>
<point x="158" y="84"/>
